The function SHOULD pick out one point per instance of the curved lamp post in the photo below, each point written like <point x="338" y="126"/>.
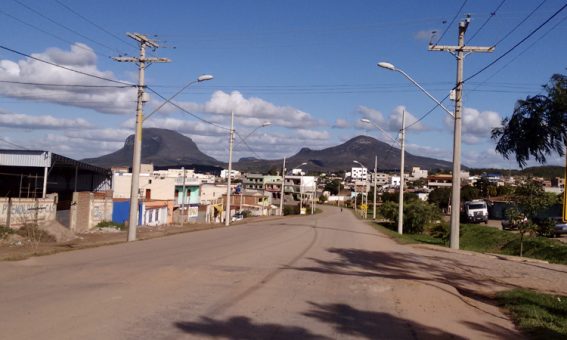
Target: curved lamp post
<point x="230" y="144"/>
<point x="401" y="142"/>
<point x="456" y="179"/>
<point x="134" y="187"/>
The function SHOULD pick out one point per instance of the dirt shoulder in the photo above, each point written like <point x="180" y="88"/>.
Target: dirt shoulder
<point x="22" y="249"/>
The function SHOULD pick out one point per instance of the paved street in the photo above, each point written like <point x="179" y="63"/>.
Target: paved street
<point x="327" y="276"/>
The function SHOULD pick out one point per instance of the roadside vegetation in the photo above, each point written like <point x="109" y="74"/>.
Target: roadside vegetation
<point x="540" y="316"/>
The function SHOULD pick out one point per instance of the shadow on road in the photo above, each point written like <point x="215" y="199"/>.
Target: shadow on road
<point x="407" y="266"/>
<point x="345" y="320"/>
<point x="240" y="327"/>
<point x="373" y="325"/>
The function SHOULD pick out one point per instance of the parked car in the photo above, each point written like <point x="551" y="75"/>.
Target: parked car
<point x="237" y="217"/>
<point x="560" y="228"/>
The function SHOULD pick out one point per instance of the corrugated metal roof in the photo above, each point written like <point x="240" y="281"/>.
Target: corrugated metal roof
<point x="26" y="158"/>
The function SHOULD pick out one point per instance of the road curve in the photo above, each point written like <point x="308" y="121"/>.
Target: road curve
<point x="326" y="276"/>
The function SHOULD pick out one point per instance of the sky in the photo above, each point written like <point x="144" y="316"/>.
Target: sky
<point x="307" y="67"/>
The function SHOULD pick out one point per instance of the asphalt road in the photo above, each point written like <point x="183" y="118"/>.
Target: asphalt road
<point x="327" y="276"/>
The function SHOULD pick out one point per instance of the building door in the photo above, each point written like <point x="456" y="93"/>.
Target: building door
<point x="148" y="194"/>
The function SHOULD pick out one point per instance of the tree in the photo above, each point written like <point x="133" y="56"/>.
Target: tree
<point x="440" y="197"/>
<point x="530" y="199"/>
<point x="333" y="187"/>
<point x="469" y="193"/>
<point x="538" y="125"/>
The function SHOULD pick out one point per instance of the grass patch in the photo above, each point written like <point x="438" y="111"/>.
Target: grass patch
<point x="540" y="316"/>
<point x="483" y="239"/>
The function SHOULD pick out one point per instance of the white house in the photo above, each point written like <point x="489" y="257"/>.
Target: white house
<point x="359" y="173"/>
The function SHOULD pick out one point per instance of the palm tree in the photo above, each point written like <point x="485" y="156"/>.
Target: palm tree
<point x="538" y="126"/>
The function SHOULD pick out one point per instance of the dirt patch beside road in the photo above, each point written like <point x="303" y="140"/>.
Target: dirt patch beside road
<point x="21" y="249"/>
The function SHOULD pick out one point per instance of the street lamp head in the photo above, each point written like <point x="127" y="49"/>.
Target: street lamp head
<point x="204" y="77"/>
<point x="266" y="124"/>
<point x="302" y="164"/>
<point x="364" y="120"/>
<point x="386" y="65"/>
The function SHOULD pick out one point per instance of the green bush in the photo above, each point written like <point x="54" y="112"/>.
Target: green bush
<point x="246" y="213"/>
<point x="389" y="210"/>
<point x="419" y="214"/>
<point x="545" y="228"/>
<point x="291" y="210"/>
<point x="440" y="231"/>
<point x="5" y="232"/>
<point x="110" y="224"/>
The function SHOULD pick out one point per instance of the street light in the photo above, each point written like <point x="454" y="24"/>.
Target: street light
<point x="264" y="124"/>
<point x="230" y="145"/>
<point x="283" y="184"/>
<point x="137" y="155"/>
<point x="456" y="178"/>
<point x="401" y="142"/>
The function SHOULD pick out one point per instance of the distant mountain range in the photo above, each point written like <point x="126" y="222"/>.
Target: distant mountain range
<point x="166" y="148"/>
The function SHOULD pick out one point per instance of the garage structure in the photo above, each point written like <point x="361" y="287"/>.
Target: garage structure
<point x="36" y="173"/>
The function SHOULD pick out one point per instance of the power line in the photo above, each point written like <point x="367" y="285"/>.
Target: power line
<point x="95" y="24"/>
<point x="188" y="112"/>
<point x="520" y="23"/>
<point x="517" y="44"/>
<point x="248" y="146"/>
<point x="49" y="33"/>
<point x="492" y="14"/>
<point x="13" y="144"/>
<point x="519" y="54"/>
<point x="65" y="85"/>
<point x="63" y="67"/>
<point x="63" y="26"/>
<point x="452" y="21"/>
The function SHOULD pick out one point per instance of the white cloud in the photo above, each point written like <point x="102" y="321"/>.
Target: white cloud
<point x="80" y="57"/>
<point x="252" y="111"/>
<point x="477" y="125"/>
<point x="312" y="134"/>
<point x="341" y="124"/>
<point x="106" y="135"/>
<point x="373" y="115"/>
<point x="395" y="120"/>
<point x="24" y="121"/>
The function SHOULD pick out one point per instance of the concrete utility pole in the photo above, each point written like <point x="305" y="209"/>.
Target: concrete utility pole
<point x="283" y="184"/>
<point x="142" y="98"/>
<point x="460" y="52"/>
<point x="402" y="151"/>
<point x="230" y="143"/>
<point x="375" y="174"/>
<point x="184" y="197"/>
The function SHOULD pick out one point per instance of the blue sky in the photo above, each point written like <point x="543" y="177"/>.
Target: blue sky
<point x="308" y="67"/>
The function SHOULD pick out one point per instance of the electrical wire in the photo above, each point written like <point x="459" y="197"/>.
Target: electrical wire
<point x="39" y="29"/>
<point x="492" y="14"/>
<point x="517" y="44"/>
<point x="248" y="146"/>
<point x="519" y="54"/>
<point x="451" y="23"/>
<point x="188" y="112"/>
<point x="63" y="67"/>
<point x="63" y="26"/>
<point x="95" y="24"/>
<point x="65" y="85"/>
<point x="13" y="144"/>
<point x="519" y="24"/>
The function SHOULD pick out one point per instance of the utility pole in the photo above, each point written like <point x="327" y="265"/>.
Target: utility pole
<point x="230" y="143"/>
<point x="144" y="42"/>
<point x="402" y="151"/>
<point x="460" y="52"/>
<point x="283" y="192"/>
<point x="375" y="175"/>
<point x="184" y="197"/>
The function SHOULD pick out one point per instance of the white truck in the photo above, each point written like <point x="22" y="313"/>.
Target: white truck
<point x="475" y="211"/>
